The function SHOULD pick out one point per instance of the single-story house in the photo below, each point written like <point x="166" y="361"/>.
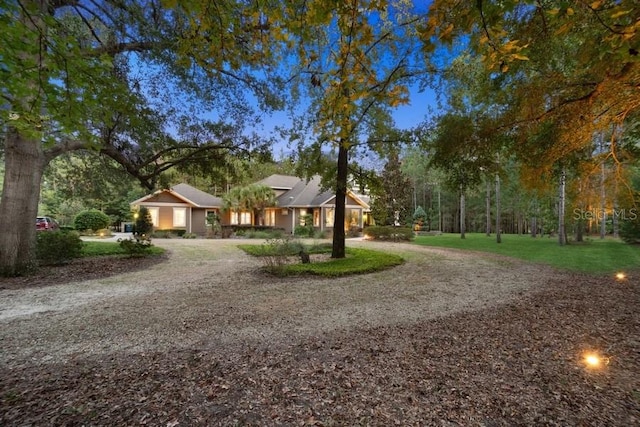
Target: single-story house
<point x="297" y="198"/>
<point x="181" y="207"/>
<point x="186" y="207"/>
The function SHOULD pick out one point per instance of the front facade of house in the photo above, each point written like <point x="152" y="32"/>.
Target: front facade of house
<point x="185" y="207"/>
<point x="297" y="198"/>
<point x="181" y="207"/>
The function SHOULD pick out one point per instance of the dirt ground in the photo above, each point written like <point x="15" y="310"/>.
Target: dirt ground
<point x="203" y="337"/>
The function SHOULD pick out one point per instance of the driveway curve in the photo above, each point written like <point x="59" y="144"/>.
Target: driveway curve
<point x="209" y="294"/>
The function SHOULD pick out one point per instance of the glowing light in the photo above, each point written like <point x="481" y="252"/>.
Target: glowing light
<point x="592" y="360"/>
<point x="595" y="361"/>
<point x="621" y="276"/>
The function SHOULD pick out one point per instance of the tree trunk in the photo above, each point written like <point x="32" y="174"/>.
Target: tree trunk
<point x="498" y="221"/>
<point x="562" y="237"/>
<point x="488" y="208"/>
<point x="603" y="203"/>
<point x="614" y="219"/>
<point x="338" y="248"/>
<point x="24" y="165"/>
<point x="462" y="214"/>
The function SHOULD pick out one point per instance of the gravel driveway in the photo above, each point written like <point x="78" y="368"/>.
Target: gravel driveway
<point x="210" y="294"/>
<point x="206" y="339"/>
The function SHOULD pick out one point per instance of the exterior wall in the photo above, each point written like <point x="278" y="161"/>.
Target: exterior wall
<point x="284" y="221"/>
<point x="198" y="221"/>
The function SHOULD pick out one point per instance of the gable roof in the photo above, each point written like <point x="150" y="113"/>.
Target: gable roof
<point x="196" y="197"/>
<point x="280" y="182"/>
<point x="303" y="193"/>
<point x="188" y="194"/>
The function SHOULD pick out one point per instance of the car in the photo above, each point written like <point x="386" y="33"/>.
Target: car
<point x="45" y="223"/>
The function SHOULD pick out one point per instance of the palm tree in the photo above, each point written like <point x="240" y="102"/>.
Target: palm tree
<point x="254" y="197"/>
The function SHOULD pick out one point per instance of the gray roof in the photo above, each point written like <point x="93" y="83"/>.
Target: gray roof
<point x="280" y="182"/>
<point x="304" y="194"/>
<point x="196" y="197"/>
<point x="301" y="193"/>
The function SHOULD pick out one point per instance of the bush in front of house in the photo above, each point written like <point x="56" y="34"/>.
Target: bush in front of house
<point x="143" y="224"/>
<point x="170" y="233"/>
<point x="389" y="233"/>
<point x="92" y="219"/>
<point x="306" y="230"/>
<point x="136" y="246"/>
<point x="58" y="247"/>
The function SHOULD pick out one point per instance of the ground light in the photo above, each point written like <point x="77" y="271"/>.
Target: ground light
<point x="621" y="276"/>
<point x="593" y="360"/>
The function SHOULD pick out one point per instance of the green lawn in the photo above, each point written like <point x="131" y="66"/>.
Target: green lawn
<point x="593" y="256"/>
<point x="95" y="248"/>
<point x="357" y="261"/>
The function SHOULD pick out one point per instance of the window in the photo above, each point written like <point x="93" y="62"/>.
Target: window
<point x="328" y="221"/>
<point x="245" y="217"/>
<point x="179" y="217"/>
<point x="242" y="218"/>
<point x="153" y="213"/>
<point x="270" y="217"/>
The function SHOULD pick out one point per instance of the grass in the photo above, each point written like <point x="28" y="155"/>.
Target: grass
<point x="593" y="256"/>
<point x="95" y="248"/>
<point x="357" y="261"/>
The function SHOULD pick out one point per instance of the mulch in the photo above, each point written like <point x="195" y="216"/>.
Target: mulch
<point x="520" y="364"/>
<point x="81" y="269"/>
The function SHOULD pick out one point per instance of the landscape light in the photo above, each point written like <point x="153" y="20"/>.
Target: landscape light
<point x="595" y="361"/>
<point x="621" y="276"/>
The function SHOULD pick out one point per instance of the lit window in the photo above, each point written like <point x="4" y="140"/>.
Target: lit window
<point x="270" y="217"/>
<point x="329" y="217"/>
<point x="179" y="217"/>
<point x="153" y="213"/>
<point x="245" y="217"/>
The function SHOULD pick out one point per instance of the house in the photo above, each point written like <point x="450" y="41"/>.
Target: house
<point x="181" y="207"/>
<point x="186" y="207"/>
<point x="296" y="198"/>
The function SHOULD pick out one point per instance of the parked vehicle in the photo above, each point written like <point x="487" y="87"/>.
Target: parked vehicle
<point x="45" y="223"/>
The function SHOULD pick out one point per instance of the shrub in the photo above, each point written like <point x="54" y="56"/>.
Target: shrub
<point x="276" y="251"/>
<point x="630" y="231"/>
<point x="168" y="233"/>
<point x="189" y="236"/>
<point x="390" y="233"/>
<point x="354" y="231"/>
<point x="419" y="215"/>
<point x="92" y="219"/>
<point x="57" y="247"/>
<point x="143" y="224"/>
<point x="160" y="234"/>
<point x="136" y="246"/>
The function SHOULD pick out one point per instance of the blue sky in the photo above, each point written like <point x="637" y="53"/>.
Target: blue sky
<point x="405" y="117"/>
